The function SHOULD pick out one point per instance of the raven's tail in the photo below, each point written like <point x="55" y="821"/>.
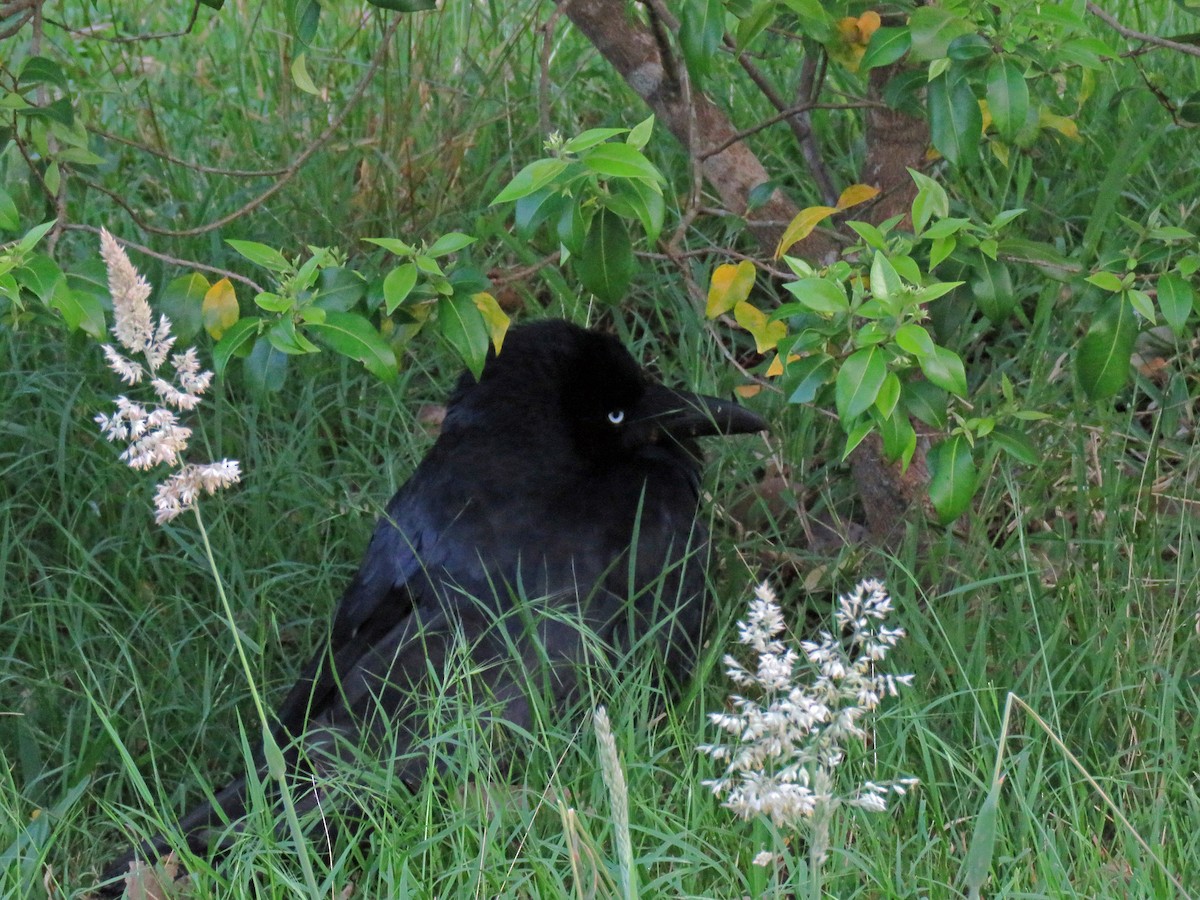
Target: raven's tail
<point x="197" y="828"/>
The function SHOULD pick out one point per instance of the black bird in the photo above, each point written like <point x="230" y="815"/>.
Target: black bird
<point x="553" y="522"/>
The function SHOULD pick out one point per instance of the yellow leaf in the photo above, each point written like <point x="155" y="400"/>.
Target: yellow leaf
<point x="868" y="24"/>
<point x="766" y="334"/>
<point x="856" y="194"/>
<point x="730" y="285"/>
<point x="219" y="309"/>
<point x="776" y="368"/>
<point x="493" y="316"/>
<point x="986" y="113"/>
<point x="802" y="226"/>
<point x="1064" y="126"/>
<point x="746" y="391"/>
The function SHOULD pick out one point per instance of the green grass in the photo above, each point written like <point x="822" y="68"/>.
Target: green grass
<point x="1072" y="584"/>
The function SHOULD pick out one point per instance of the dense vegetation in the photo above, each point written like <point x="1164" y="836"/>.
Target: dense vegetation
<point x="1046" y="541"/>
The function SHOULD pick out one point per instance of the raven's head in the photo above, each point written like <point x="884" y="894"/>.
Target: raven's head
<point x="554" y="379"/>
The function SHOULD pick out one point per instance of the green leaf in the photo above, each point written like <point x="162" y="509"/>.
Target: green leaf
<point x="80" y="310"/>
<point x="301" y="77"/>
<point x="914" y="339"/>
<point x="286" y="339"/>
<point x="397" y="285"/>
<point x="955" y="122"/>
<point x="1102" y="363"/>
<point x="858" y="383"/>
<point x="303" y="16"/>
<point x="856" y="436"/>
<point x="273" y="303"/>
<point x="889" y="394"/>
<point x="926" y="401"/>
<point x="1141" y="301"/>
<point x="933" y="28"/>
<point x="968" y="47"/>
<point x="40" y="276"/>
<point x="261" y="255"/>
<point x="887" y="45"/>
<point x="393" y="245"/>
<point x="809" y="374"/>
<point x="533" y="177"/>
<point x="1106" y="281"/>
<point x="572" y="226"/>
<point x="701" y="26"/>
<point x="606" y="265"/>
<point x="265" y="368"/>
<point x="234" y="342"/>
<point x="621" y="161"/>
<point x="885" y="280"/>
<point x="1176" y="300"/>
<point x="822" y="296"/>
<point x="649" y="207"/>
<point x="449" y="243"/>
<point x="931" y="201"/>
<point x="354" y="337"/>
<point x="591" y="138"/>
<point x="1007" y="96"/>
<point x="42" y="70"/>
<point x="639" y="135"/>
<point x="339" y="289"/>
<point x="944" y="368"/>
<point x="992" y="286"/>
<point x="33" y="235"/>
<point x="463" y="326"/>
<point x="181" y="301"/>
<point x="899" y="437"/>
<point x="952" y="477"/>
<point x="10" y="219"/>
<point x="1017" y="445"/>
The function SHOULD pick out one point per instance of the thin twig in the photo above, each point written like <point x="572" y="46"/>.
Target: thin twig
<point x="298" y="163"/>
<point x="195" y="167"/>
<point x="779" y="117"/>
<point x="92" y="31"/>
<point x="175" y="260"/>
<point x="1133" y="35"/>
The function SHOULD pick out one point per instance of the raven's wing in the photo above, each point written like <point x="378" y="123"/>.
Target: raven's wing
<point x="389" y="583"/>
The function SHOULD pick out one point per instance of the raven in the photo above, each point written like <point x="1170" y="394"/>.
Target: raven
<point x="553" y="522"/>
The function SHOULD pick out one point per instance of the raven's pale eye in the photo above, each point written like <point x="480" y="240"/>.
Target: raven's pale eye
<point x="617" y="416"/>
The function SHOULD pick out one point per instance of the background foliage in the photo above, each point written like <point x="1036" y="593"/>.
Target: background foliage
<point x="297" y="178"/>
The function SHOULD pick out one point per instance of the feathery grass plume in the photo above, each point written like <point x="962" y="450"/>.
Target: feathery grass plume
<point x="153" y="434"/>
<point x="618" y="793"/>
<point x="786" y="746"/>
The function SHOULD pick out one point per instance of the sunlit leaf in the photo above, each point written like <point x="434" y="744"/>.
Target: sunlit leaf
<point x="856" y="194"/>
<point x="494" y="317"/>
<point x="765" y="332"/>
<point x="219" y="309"/>
<point x="802" y="226"/>
<point x="261" y="255"/>
<point x="730" y="285"/>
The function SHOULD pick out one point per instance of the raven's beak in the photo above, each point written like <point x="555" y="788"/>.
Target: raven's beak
<point x="682" y="415"/>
